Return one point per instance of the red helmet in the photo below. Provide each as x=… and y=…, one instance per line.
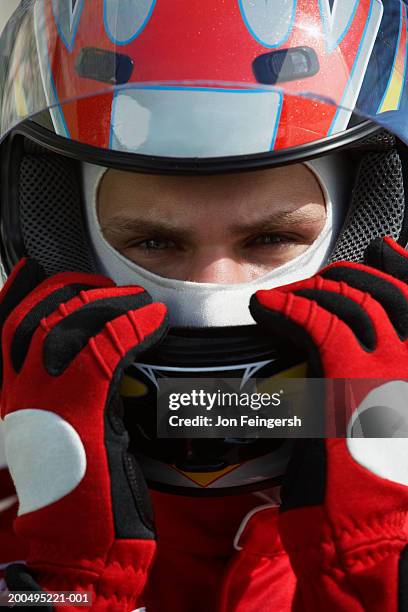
x=194, y=80
x=216, y=58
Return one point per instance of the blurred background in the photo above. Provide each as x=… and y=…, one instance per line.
x=6, y=9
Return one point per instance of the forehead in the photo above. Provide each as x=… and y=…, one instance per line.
x=295, y=182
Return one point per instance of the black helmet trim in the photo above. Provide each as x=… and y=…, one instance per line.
x=186, y=166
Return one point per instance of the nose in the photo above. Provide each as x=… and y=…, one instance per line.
x=220, y=268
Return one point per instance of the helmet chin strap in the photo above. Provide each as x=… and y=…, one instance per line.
x=193, y=304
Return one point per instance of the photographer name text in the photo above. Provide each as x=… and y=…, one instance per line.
x=243, y=421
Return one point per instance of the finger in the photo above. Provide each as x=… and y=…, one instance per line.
x=26, y=275
x=388, y=256
x=123, y=339
x=80, y=320
x=25, y=319
x=291, y=318
x=388, y=291
x=321, y=312
x=355, y=308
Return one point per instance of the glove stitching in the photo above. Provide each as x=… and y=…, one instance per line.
x=141, y=571
x=336, y=564
x=94, y=581
x=319, y=282
x=288, y=304
x=333, y=321
x=63, y=310
x=313, y=310
x=44, y=325
x=384, y=549
x=115, y=338
x=339, y=564
x=84, y=297
x=132, y=319
x=99, y=359
x=142, y=567
x=344, y=289
x=395, y=520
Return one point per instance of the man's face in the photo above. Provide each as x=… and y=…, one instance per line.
x=229, y=228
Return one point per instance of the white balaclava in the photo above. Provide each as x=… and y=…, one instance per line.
x=192, y=304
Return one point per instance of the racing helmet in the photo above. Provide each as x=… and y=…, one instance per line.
x=200, y=88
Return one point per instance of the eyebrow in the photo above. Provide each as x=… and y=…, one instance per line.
x=122, y=224
x=119, y=225
x=289, y=218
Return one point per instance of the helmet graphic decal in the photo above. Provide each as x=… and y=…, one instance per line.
x=270, y=23
x=310, y=44
x=358, y=66
x=195, y=72
x=337, y=18
x=395, y=86
x=248, y=370
x=124, y=21
x=67, y=17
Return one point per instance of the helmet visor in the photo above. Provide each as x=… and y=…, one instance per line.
x=204, y=80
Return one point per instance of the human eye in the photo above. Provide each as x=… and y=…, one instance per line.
x=272, y=240
x=155, y=244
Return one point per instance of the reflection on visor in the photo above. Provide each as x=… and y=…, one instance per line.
x=192, y=122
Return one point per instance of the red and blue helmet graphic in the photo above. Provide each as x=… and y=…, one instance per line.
x=221, y=77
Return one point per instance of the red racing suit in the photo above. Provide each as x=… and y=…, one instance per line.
x=213, y=554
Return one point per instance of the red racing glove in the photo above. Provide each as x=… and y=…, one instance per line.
x=344, y=517
x=83, y=504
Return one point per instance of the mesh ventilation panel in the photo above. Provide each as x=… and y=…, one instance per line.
x=381, y=140
x=50, y=213
x=377, y=205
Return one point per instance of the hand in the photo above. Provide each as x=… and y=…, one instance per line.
x=344, y=517
x=83, y=503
